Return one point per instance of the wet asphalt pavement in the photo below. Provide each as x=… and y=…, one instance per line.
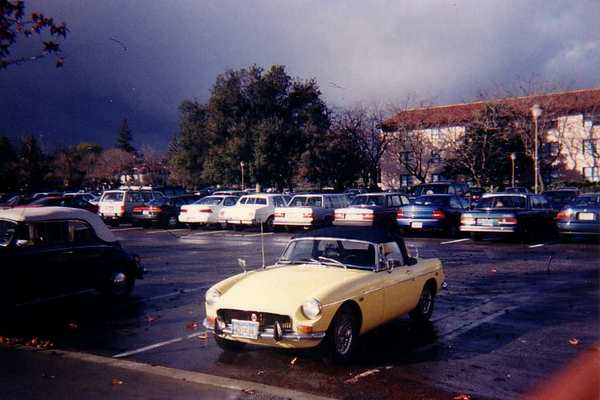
x=512, y=315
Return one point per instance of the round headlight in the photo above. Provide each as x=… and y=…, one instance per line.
x=311, y=308
x=212, y=296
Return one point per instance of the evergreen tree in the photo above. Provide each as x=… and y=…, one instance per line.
x=124, y=138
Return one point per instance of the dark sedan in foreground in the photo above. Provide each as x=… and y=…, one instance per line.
x=525, y=215
x=50, y=251
x=581, y=217
x=437, y=212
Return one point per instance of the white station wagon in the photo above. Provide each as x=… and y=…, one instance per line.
x=252, y=210
x=309, y=210
x=205, y=211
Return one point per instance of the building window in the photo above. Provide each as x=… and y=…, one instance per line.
x=406, y=180
x=591, y=174
x=436, y=158
x=406, y=156
x=590, y=147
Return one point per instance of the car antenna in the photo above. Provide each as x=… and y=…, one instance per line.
x=262, y=244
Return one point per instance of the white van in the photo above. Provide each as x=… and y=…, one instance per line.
x=116, y=206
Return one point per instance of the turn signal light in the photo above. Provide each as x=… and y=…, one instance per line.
x=304, y=329
x=438, y=214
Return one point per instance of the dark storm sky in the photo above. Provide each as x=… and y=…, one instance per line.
x=359, y=51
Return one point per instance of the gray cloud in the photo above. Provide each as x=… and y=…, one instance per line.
x=357, y=51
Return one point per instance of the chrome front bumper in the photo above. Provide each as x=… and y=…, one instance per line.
x=269, y=333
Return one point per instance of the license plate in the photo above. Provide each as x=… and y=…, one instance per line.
x=486, y=221
x=244, y=329
x=586, y=216
x=416, y=225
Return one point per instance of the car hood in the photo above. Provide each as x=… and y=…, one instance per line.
x=282, y=290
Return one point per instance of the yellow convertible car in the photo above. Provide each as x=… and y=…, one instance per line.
x=329, y=286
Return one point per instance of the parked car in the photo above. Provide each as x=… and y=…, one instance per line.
x=516, y=214
x=116, y=206
x=13, y=199
x=425, y=189
x=205, y=212
x=40, y=195
x=371, y=209
x=331, y=285
x=89, y=197
x=236, y=193
x=252, y=210
x=162, y=211
x=62, y=201
x=438, y=212
x=580, y=217
x=516, y=189
x=46, y=251
x=309, y=210
x=561, y=197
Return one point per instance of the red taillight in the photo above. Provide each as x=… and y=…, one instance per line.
x=507, y=220
x=368, y=217
x=122, y=208
x=307, y=215
x=279, y=215
x=205, y=210
x=154, y=209
x=438, y=214
x=339, y=216
x=400, y=214
x=183, y=210
x=136, y=209
x=563, y=215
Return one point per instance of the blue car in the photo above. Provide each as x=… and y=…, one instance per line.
x=581, y=217
x=436, y=212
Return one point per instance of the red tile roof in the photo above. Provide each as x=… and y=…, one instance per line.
x=562, y=103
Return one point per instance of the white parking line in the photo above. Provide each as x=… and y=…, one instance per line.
x=258, y=234
x=205, y=233
x=133, y=228
x=533, y=246
x=160, y=344
x=169, y=230
x=172, y=294
x=456, y=241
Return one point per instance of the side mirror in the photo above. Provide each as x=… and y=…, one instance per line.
x=392, y=263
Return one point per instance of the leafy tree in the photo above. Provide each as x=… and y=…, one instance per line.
x=15, y=23
x=8, y=164
x=124, y=138
x=71, y=165
x=32, y=164
x=110, y=165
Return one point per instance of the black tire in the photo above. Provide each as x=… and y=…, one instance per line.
x=193, y=227
x=424, y=310
x=113, y=222
x=119, y=286
x=453, y=230
x=342, y=335
x=476, y=236
x=236, y=227
x=268, y=225
x=229, y=345
x=171, y=222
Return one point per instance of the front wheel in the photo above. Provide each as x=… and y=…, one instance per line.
x=476, y=236
x=120, y=285
x=229, y=345
x=424, y=309
x=343, y=335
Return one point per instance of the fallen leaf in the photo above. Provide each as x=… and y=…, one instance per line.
x=249, y=391
x=356, y=378
x=116, y=382
x=192, y=326
x=574, y=341
x=293, y=362
x=462, y=396
x=203, y=336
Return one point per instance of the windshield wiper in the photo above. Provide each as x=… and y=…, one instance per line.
x=334, y=261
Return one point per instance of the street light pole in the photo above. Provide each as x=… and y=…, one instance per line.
x=242, y=166
x=513, y=157
x=536, y=111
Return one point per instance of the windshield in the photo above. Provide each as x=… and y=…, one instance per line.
x=431, y=201
x=502, y=202
x=587, y=201
x=306, y=201
x=432, y=189
x=338, y=252
x=210, y=201
x=371, y=200
x=7, y=231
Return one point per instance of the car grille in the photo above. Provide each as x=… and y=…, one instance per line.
x=266, y=320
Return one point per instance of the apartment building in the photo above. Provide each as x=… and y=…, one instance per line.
x=569, y=126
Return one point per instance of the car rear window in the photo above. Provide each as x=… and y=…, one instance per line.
x=210, y=201
x=587, y=201
x=431, y=201
x=306, y=201
x=502, y=202
x=433, y=189
x=112, y=196
x=375, y=200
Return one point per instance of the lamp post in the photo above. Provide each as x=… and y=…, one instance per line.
x=536, y=111
x=242, y=167
x=513, y=157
